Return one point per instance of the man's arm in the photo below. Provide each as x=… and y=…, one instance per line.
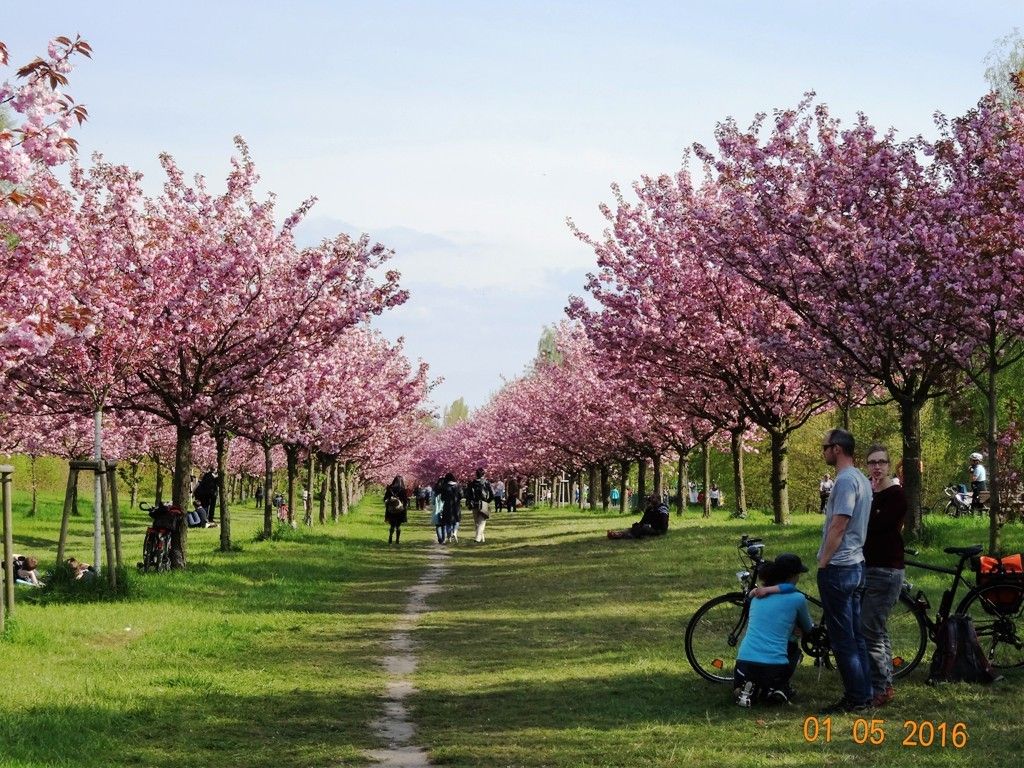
x=833, y=538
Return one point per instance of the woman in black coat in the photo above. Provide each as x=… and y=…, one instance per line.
x=396, y=505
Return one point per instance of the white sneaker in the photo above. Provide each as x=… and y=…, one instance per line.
x=745, y=695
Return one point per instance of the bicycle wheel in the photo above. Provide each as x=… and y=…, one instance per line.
x=713, y=637
x=952, y=509
x=908, y=636
x=996, y=610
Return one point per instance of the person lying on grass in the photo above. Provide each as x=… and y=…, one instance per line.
x=769, y=651
x=653, y=523
x=80, y=571
x=25, y=571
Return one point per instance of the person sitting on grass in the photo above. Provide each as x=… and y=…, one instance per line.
x=653, y=523
x=769, y=651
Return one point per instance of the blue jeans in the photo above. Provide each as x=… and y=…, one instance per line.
x=881, y=591
x=841, y=588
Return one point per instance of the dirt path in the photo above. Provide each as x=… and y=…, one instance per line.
x=395, y=727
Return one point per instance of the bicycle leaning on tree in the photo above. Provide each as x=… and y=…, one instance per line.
x=995, y=606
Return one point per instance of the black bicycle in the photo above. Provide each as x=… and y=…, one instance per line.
x=994, y=605
x=713, y=634
x=156, y=547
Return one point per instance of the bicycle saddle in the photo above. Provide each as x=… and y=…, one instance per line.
x=971, y=551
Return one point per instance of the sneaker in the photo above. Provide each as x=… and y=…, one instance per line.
x=845, y=705
x=883, y=697
x=776, y=696
x=745, y=695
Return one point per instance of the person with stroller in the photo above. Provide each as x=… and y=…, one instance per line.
x=769, y=651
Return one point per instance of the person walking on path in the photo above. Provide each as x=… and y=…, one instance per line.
x=479, y=496
x=512, y=493
x=396, y=506
x=824, y=490
x=397, y=490
x=841, y=570
x=449, y=500
x=883, y=570
x=259, y=496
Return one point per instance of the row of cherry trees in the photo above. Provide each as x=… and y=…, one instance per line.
x=190, y=313
x=797, y=265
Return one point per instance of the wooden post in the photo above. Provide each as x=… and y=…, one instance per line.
x=108, y=541
x=7, y=604
x=69, y=503
x=115, y=510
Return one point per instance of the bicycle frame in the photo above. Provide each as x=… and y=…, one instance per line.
x=946, y=603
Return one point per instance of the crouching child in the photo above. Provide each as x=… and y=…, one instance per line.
x=770, y=651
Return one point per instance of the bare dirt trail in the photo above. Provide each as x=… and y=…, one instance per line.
x=395, y=727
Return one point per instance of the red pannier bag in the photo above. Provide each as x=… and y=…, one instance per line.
x=1008, y=570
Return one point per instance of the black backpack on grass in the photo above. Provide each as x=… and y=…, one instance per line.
x=958, y=654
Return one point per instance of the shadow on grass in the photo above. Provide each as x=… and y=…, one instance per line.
x=178, y=725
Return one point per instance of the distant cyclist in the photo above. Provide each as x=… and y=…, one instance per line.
x=979, y=480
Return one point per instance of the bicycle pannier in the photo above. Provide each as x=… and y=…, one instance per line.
x=1002, y=570
x=958, y=654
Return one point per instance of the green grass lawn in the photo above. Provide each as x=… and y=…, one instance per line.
x=554, y=646
x=262, y=657
x=549, y=646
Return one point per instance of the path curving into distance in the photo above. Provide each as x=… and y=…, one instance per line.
x=395, y=727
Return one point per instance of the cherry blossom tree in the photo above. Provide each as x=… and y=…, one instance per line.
x=34, y=214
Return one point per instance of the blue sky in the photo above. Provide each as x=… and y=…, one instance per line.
x=464, y=133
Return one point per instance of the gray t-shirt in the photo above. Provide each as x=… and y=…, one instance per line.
x=851, y=496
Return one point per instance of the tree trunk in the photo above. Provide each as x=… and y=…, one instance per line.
x=705, y=453
x=641, y=482
x=593, y=489
x=159, y=480
x=332, y=474
x=223, y=445
x=308, y=511
x=995, y=521
x=268, y=493
x=658, y=488
x=32, y=480
x=780, y=475
x=74, y=502
x=291, y=452
x=346, y=484
x=604, y=486
x=680, y=485
x=623, y=477
x=323, y=492
x=181, y=490
x=910, y=427
x=739, y=488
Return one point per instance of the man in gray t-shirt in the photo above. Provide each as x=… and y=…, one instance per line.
x=850, y=497
x=841, y=570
